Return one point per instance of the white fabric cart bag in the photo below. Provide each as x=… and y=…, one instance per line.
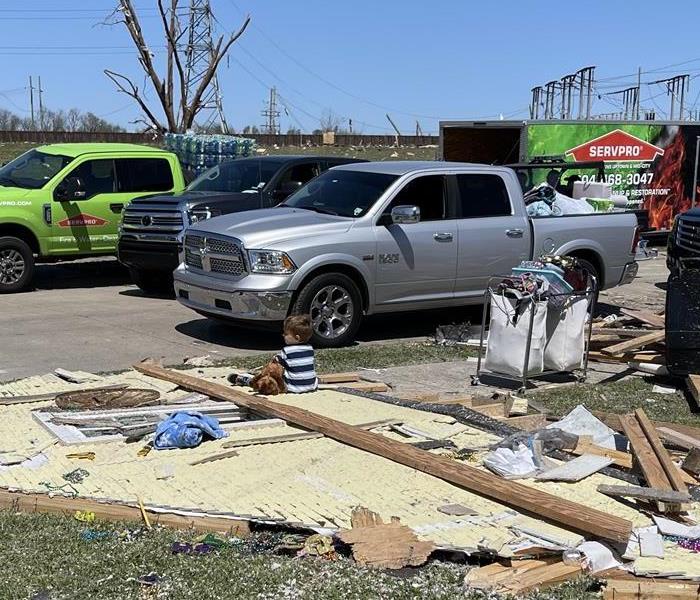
x=508, y=332
x=566, y=330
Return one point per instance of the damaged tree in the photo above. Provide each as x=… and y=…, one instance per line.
x=179, y=100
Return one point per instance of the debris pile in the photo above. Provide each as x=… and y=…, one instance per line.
x=386, y=480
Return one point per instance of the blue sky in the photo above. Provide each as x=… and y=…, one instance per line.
x=420, y=60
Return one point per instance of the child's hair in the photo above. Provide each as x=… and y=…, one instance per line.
x=299, y=326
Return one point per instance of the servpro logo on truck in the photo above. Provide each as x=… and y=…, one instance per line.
x=617, y=146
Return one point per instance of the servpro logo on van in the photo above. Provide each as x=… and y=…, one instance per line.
x=616, y=146
x=82, y=220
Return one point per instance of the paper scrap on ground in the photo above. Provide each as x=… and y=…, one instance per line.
x=650, y=542
x=669, y=527
x=662, y=389
x=581, y=422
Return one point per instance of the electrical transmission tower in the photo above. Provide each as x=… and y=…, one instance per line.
x=271, y=114
x=198, y=55
x=676, y=87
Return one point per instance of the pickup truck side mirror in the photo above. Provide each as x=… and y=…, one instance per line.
x=405, y=215
x=287, y=189
x=71, y=188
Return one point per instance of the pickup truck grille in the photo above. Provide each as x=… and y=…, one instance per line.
x=214, y=255
x=688, y=235
x=139, y=219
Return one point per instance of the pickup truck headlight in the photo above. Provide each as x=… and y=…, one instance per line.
x=271, y=262
x=197, y=215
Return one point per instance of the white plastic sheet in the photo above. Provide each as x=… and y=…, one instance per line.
x=510, y=464
x=581, y=422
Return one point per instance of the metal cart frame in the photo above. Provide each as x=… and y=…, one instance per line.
x=591, y=294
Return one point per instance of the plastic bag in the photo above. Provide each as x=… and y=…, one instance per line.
x=509, y=464
x=572, y=206
x=508, y=333
x=566, y=328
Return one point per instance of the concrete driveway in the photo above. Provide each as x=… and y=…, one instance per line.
x=87, y=316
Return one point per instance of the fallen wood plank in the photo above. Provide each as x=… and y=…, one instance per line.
x=541, y=577
x=61, y=505
x=526, y=422
x=570, y=515
x=496, y=410
x=577, y=469
x=586, y=446
x=495, y=575
x=339, y=378
x=365, y=386
x=693, y=382
x=609, y=334
x=384, y=545
x=667, y=464
x=645, y=316
x=612, y=420
x=644, y=453
x=648, y=589
x=644, y=493
x=653, y=359
x=635, y=343
x=676, y=438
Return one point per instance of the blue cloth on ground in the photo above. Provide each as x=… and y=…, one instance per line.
x=185, y=429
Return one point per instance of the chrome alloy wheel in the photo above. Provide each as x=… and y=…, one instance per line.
x=332, y=311
x=11, y=266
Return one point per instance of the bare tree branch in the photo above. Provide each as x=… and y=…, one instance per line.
x=173, y=55
x=126, y=86
x=217, y=56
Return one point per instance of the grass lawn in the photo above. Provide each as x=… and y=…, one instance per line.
x=47, y=557
x=623, y=397
x=371, y=356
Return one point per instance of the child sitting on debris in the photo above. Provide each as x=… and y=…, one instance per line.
x=293, y=367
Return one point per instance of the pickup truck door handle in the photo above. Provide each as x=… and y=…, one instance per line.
x=442, y=237
x=116, y=207
x=514, y=233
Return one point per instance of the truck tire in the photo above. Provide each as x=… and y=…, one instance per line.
x=16, y=265
x=590, y=267
x=334, y=304
x=153, y=282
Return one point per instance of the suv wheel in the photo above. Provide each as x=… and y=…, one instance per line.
x=334, y=304
x=153, y=282
x=16, y=265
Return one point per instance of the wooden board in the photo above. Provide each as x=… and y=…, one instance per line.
x=42, y=503
x=693, y=382
x=635, y=343
x=7, y=401
x=653, y=359
x=526, y=422
x=645, y=316
x=667, y=464
x=644, y=493
x=586, y=446
x=338, y=377
x=644, y=453
x=495, y=575
x=676, y=438
x=561, y=511
x=648, y=589
x=612, y=420
x=541, y=577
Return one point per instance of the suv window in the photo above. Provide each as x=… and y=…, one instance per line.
x=428, y=194
x=144, y=175
x=96, y=176
x=483, y=196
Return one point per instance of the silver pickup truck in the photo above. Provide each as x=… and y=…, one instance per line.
x=381, y=237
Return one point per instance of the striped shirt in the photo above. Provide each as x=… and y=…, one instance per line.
x=299, y=368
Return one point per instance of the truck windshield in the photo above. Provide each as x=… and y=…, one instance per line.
x=32, y=170
x=340, y=192
x=234, y=176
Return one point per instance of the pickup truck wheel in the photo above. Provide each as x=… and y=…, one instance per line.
x=590, y=267
x=152, y=282
x=334, y=304
x=16, y=265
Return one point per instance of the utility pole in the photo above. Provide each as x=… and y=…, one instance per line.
x=31, y=101
x=198, y=54
x=535, y=103
x=676, y=88
x=41, y=105
x=396, y=129
x=271, y=114
x=639, y=88
x=585, y=77
x=419, y=130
